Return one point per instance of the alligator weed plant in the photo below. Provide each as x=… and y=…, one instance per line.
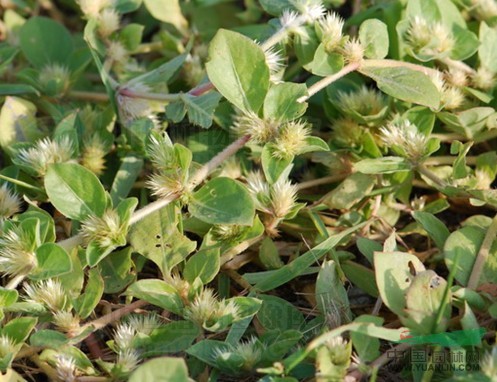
x=257, y=190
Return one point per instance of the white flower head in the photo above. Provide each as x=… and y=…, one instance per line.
x=353, y=50
x=7, y=345
x=332, y=29
x=47, y=292
x=67, y=322
x=92, y=8
x=488, y=364
x=9, y=202
x=452, y=98
x=457, y=77
x=291, y=139
x=127, y=360
x=429, y=38
x=93, y=155
x=275, y=62
x=290, y=19
x=483, y=78
x=131, y=108
x=405, y=139
x=311, y=10
x=283, y=197
x=484, y=9
x=124, y=336
x=66, y=368
x=108, y=22
x=17, y=256
x=259, y=190
x=56, y=75
x=206, y=309
x=46, y=152
x=144, y=324
x=106, y=231
x=260, y=130
x=365, y=101
x=117, y=52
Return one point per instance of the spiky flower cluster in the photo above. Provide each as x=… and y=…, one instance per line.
x=249, y=352
x=49, y=293
x=17, y=255
x=206, y=309
x=307, y=11
x=144, y=324
x=484, y=9
x=277, y=199
x=93, y=155
x=170, y=178
x=331, y=26
x=66, y=368
x=291, y=139
x=347, y=133
x=9, y=202
x=46, y=152
x=7, y=345
x=451, y=96
x=275, y=63
x=432, y=40
x=260, y=130
x=227, y=232
x=337, y=348
x=404, y=139
x=108, y=22
x=483, y=78
x=67, y=322
x=54, y=78
x=107, y=230
x=353, y=50
x=365, y=101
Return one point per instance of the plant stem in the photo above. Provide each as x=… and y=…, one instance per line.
x=88, y=96
x=423, y=170
x=459, y=65
x=201, y=89
x=321, y=84
x=103, y=321
x=12, y=284
x=482, y=256
x=21, y=183
x=151, y=96
x=321, y=181
x=448, y=159
x=386, y=63
x=151, y=208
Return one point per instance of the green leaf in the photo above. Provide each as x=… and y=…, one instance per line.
x=324, y=63
x=385, y=165
x=331, y=296
x=52, y=261
x=238, y=69
x=462, y=247
x=204, y=265
x=48, y=339
x=129, y=170
x=18, y=121
x=433, y=226
x=18, y=329
x=116, y=271
x=281, y=101
x=301, y=263
x=164, y=369
x=487, y=52
x=8, y=296
x=405, y=84
x=223, y=201
x=15, y=89
x=393, y=277
x=352, y=190
x=126, y=6
x=201, y=109
x=275, y=8
x=288, y=316
x=373, y=34
x=313, y=144
x=131, y=36
x=269, y=255
x=157, y=292
x=272, y=166
x=94, y=289
x=368, y=348
x=75, y=191
x=44, y=41
x=157, y=238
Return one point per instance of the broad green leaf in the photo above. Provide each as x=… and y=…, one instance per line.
x=201, y=109
x=281, y=101
x=324, y=63
x=7, y=296
x=157, y=238
x=278, y=314
x=487, y=52
x=16, y=89
x=275, y=8
x=164, y=369
x=393, y=277
x=385, y=165
x=19, y=328
x=131, y=36
x=373, y=34
x=238, y=69
x=48, y=338
x=90, y=298
x=435, y=228
x=17, y=121
x=204, y=265
x=268, y=255
x=368, y=348
x=223, y=201
x=405, y=84
x=462, y=246
x=52, y=261
x=352, y=190
x=162, y=74
x=301, y=263
x=75, y=191
x=126, y=6
x=171, y=338
x=331, y=296
x=116, y=271
x=157, y=292
x=313, y=144
x=168, y=11
x=272, y=166
x=129, y=170
x=44, y=41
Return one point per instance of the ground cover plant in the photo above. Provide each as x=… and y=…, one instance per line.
x=255, y=190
